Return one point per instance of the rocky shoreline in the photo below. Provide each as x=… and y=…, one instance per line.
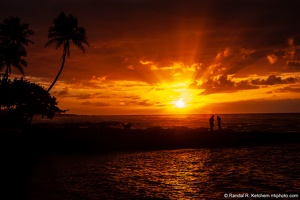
x=92, y=138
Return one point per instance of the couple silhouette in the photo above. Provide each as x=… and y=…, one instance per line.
x=211, y=122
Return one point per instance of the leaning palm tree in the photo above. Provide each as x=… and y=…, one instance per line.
x=13, y=43
x=64, y=31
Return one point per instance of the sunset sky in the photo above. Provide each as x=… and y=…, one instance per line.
x=169, y=56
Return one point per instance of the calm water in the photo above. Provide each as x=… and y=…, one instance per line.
x=241, y=122
x=169, y=174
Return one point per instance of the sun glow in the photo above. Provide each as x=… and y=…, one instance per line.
x=180, y=103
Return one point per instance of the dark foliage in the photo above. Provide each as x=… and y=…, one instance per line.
x=20, y=100
x=13, y=42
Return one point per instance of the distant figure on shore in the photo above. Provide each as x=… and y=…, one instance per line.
x=219, y=122
x=211, y=123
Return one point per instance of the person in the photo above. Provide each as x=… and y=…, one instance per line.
x=219, y=122
x=211, y=123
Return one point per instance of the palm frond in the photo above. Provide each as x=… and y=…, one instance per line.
x=14, y=40
x=20, y=68
x=63, y=31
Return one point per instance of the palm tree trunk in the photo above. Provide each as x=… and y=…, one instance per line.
x=61, y=68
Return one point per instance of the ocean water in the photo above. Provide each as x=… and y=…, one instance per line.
x=169, y=174
x=286, y=122
x=207, y=173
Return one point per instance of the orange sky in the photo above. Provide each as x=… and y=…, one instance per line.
x=146, y=55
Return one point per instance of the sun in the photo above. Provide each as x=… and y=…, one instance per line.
x=180, y=103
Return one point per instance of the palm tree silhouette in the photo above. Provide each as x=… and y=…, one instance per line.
x=13, y=40
x=64, y=30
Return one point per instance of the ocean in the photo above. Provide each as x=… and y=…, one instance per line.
x=204, y=173
x=220, y=173
x=264, y=171
x=284, y=122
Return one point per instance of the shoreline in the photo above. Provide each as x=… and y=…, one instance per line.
x=93, y=138
x=239, y=122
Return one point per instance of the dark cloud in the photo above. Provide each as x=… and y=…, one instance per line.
x=190, y=31
x=84, y=96
x=98, y=104
x=144, y=103
x=295, y=64
x=227, y=40
x=133, y=97
x=245, y=85
x=288, y=89
x=137, y=102
x=273, y=79
x=259, y=106
x=223, y=84
x=91, y=96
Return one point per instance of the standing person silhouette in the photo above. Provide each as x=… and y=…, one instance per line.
x=219, y=122
x=211, y=123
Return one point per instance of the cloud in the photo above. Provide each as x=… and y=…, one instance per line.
x=97, y=104
x=272, y=58
x=84, y=96
x=136, y=45
x=294, y=64
x=245, y=85
x=245, y=53
x=288, y=89
x=188, y=32
x=134, y=97
x=258, y=106
x=144, y=103
x=137, y=102
x=64, y=92
x=146, y=62
x=223, y=84
x=273, y=80
x=130, y=67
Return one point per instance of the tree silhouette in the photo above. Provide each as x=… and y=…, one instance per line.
x=65, y=30
x=13, y=40
x=22, y=100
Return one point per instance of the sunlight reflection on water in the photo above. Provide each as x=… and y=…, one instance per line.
x=170, y=174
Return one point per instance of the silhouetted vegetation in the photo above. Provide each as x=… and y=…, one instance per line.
x=13, y=40
x=65, y=30
x=21, y=100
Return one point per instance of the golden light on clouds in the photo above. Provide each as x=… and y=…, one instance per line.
x=153, y=57
x=176, y=91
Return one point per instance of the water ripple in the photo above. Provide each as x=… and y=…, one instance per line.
x=175, y=174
